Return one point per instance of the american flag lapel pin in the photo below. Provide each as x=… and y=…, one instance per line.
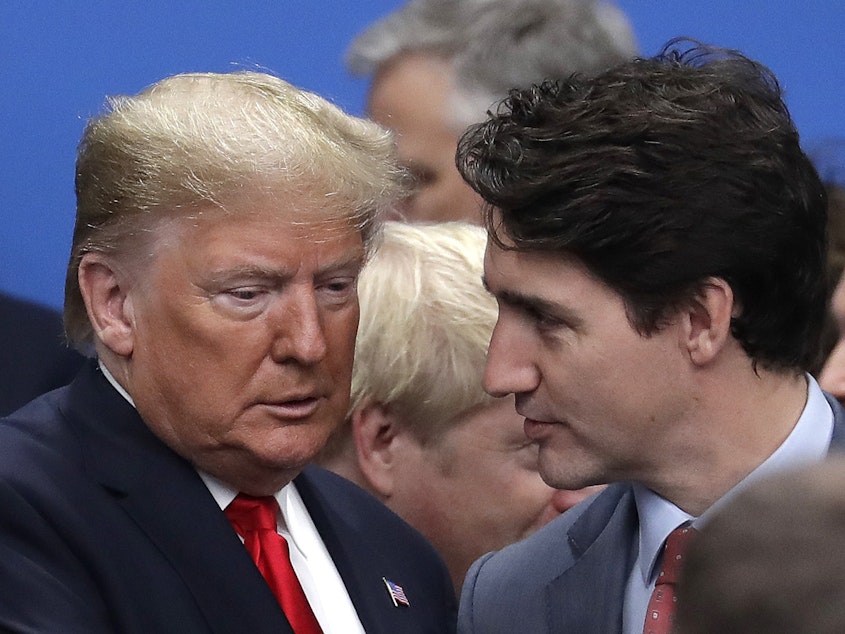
x=397, y=594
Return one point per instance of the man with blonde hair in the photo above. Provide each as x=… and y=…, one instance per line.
x=422, y=435
x=222, y=221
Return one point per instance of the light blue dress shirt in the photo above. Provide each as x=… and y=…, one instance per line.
x=808, y=442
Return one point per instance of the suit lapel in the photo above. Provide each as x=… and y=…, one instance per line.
x=213, y=562
x=589, y=595
x=360, y=565
x=168, y=501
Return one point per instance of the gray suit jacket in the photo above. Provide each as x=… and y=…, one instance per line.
x=570, y=576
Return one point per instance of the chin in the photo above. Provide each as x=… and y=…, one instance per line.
x=557, y=480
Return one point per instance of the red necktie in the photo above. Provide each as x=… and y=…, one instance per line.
x=254, y=519
x=661, y=608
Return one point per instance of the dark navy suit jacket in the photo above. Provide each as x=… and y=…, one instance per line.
x=33, y=356
x=570, y=576
x=104, y=529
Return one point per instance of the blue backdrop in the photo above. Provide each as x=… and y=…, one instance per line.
x=60, y=59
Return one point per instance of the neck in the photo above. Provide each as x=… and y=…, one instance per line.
x=739, y=424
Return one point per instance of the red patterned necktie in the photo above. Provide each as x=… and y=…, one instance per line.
x=661, y=608
x=254, y=519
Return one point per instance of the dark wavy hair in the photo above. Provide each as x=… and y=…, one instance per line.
x=658, y=174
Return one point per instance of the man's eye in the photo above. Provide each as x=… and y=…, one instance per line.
x=425, y=177
x=543, y=319
x=338, y=289
x=242, y=302
x=419, y=177
x=337, y=286
x=246, y=294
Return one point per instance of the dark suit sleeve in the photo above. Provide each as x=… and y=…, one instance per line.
x=34, y=357
x=43, y=587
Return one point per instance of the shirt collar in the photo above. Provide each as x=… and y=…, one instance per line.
x=110, y=377
x=808, y=442
x=292, y=508
x=658, y=518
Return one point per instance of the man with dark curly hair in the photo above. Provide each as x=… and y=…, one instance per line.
x=657, y=250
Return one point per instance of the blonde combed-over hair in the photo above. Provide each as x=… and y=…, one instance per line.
x=425, y=327
x=200, y=139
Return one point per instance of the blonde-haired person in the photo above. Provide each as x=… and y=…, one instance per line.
x=222, y=222
x=423, y=435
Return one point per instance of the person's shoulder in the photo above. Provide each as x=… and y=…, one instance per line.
x=34, y=356
x=545, y=553
x=35, y=436
x=507, y=590
x=12, y=306
x=837, y=442
x=37, y=324
x=330, y=484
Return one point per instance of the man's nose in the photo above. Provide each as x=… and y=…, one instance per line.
x=300, y=334
x=509, y=368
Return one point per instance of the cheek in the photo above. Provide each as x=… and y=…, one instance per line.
x=594, y=383
x=179, y=331
x=426, y=203
x=477, y=481
x=521, y=487
x=419, y=490
x=340, y=339
x=522, y=503
x=503, y=508
x=343, y=343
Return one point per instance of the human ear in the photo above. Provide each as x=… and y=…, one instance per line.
x=374, y=435
x=108, y=304
x=707, y=321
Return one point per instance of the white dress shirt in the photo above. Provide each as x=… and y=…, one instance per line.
x=808, y=442
x=320, y=580
x=312, y=563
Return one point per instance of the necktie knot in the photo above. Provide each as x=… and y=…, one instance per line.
x=673, y=553
x=661, y=608
x=249, y=514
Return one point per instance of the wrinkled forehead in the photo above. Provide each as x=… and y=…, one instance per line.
x=305, y=209
x=304, y=214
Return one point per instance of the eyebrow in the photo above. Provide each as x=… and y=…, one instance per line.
x=256, y=271
x=533, y=304
x=515, y=298
x=355, y=261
